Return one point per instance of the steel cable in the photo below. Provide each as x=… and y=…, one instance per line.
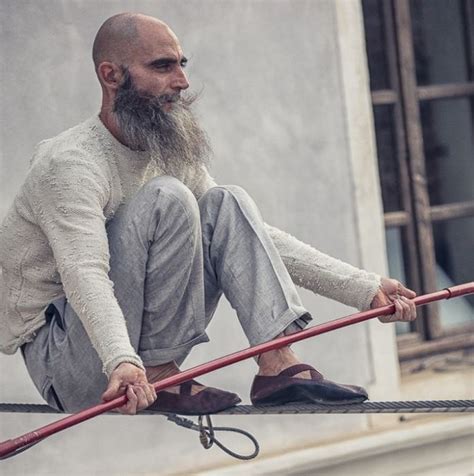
x=207, y=431
x=413, y=406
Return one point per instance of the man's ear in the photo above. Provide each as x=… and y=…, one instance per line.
x=110, y=75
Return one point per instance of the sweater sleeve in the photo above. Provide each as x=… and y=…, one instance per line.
x=316, y=271
x=323, y=274
x=68, y=199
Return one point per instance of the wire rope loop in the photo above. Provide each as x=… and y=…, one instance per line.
x=208, y=438
x=206, y=433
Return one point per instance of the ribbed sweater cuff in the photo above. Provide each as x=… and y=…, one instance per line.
x=370, y=289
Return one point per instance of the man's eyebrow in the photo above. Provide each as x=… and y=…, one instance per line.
x=166, y=61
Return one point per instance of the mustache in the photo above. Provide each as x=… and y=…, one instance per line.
x=150, y=109
x=184, y=99
x=169, y=98
x=132, y=99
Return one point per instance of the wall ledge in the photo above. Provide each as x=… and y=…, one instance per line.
x=419, y=435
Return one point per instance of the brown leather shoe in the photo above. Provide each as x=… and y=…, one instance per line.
x=285, y=388
x=208, y=400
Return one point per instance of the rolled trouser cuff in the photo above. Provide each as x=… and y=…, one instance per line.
x=162, y=356
x=289, y=322
x=299, y=324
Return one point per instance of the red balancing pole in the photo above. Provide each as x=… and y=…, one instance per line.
x=16, y=445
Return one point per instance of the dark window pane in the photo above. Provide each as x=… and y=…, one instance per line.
x=396, y=267
x=455, y=265
x=449, y=149
x=375, y=44
x=387, y=156
x=438, y=39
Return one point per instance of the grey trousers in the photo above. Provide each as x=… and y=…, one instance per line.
x=171, y=258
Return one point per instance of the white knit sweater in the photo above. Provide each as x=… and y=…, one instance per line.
x=53, y=241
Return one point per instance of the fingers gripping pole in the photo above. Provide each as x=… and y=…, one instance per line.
x=16, y=445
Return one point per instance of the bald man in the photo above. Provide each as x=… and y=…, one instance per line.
x=119, y=245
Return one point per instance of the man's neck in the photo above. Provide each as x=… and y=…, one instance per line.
x=110, y=122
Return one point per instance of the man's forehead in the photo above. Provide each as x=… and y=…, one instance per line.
x=158, y=39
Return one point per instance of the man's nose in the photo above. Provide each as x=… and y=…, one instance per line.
x=180, y=81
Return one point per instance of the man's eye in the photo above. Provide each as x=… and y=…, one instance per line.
x=164, y=67
x=184, y=64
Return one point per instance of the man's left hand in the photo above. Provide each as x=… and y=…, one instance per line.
x=393, y=292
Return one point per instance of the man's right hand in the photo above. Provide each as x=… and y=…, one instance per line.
x=392, y=291
x=130, y=380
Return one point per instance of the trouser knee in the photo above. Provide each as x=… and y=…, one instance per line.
x=217, y=195
x=162, y=211
x=173, y=191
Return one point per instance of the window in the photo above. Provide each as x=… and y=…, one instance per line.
x=421, y=63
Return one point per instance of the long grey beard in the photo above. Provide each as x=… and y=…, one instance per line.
x=173, y=138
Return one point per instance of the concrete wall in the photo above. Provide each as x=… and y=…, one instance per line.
x=286, y=104
x=432, y=447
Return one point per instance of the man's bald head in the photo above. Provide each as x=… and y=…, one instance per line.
x=140, y=66
x=120, y=35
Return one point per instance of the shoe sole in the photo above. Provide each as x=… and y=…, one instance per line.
x=303, y=394
x=197, y=412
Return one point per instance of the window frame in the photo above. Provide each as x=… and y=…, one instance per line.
x=415, y=220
